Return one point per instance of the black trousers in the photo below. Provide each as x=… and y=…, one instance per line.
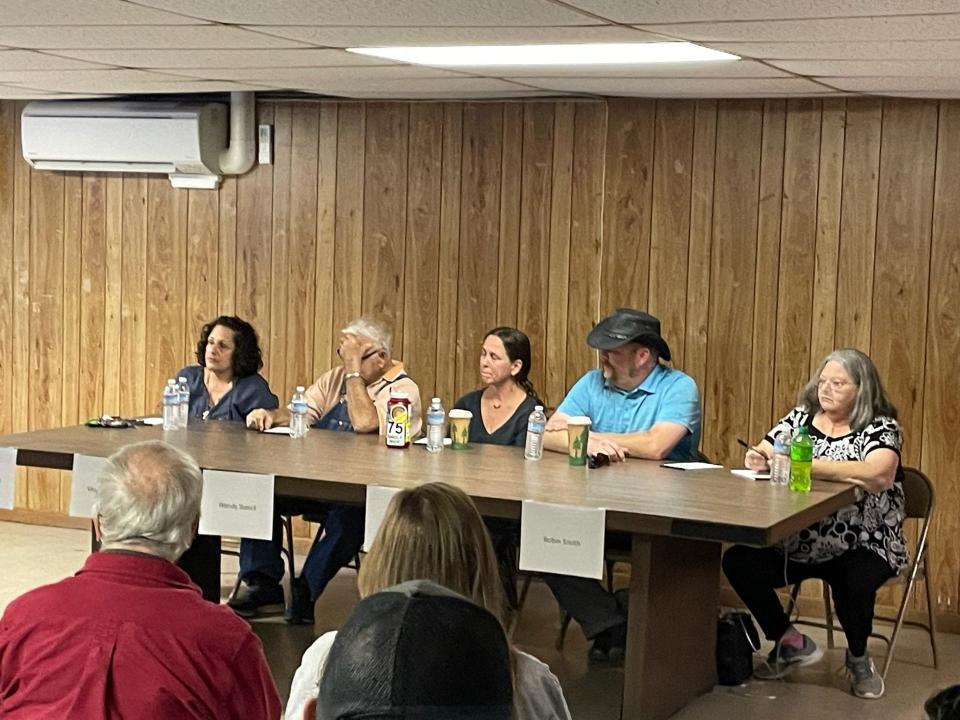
x=853, y=577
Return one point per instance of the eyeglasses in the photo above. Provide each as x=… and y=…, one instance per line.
x=834, y=384
x=363, y=357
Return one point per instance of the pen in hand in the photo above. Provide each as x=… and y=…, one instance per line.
x=757, y=450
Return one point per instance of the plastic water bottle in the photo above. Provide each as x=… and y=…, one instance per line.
x=171, y=406
x=435, y=419
x=298, y=413
x=801, y=460
x=533, y=450
x=780, y=462
x=184, y=405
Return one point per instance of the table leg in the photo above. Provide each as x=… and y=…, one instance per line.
x=672, y=629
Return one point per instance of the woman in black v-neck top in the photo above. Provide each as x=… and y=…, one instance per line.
x=507, y=399
x=501, y=408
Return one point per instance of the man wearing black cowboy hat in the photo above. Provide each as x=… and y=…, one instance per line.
x=638, y=407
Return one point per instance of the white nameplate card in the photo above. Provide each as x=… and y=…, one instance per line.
x=378, y=497
x=8, y=476
x=83, y=485
x=237, y=504
x=562, y=539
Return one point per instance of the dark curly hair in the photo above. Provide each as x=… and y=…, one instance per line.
x=247, y=358
x=517, y=345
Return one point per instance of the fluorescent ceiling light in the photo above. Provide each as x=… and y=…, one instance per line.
x=568, y=54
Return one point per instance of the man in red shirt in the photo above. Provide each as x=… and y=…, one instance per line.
x=130, y=635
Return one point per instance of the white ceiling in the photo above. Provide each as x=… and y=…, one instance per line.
x=83, y=48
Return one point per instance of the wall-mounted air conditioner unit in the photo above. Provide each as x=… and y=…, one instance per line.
x=183, y=140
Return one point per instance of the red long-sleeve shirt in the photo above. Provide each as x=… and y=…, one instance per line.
x=129, y=636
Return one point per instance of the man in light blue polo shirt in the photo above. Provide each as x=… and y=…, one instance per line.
x=638, y=407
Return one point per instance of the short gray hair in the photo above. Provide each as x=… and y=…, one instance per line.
x=372, y=328
x=149, y=494
x=871, y=401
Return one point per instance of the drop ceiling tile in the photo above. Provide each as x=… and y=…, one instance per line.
x=444, y=95
x=924, y=95
x=369, y=36
x=676, y=11
x=34, y=78
x=215, y=59
x=29, y=60
x=377, y=12
x=859, y=50
x=295, y=76
x=673, y=87
x=87, y=12
x=115, y=82
x=413, y=85
x=181, y=37
x=870, y=68
x=12, y=92
x=728, y=69
x=910, y=27
x=882, y=85
x=117, y=86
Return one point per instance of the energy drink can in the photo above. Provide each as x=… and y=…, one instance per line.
x=398, y=420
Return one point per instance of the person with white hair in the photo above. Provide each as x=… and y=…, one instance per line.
x=130, y=635
x=350, y=397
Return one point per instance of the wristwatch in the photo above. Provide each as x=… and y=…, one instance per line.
x=354, y=374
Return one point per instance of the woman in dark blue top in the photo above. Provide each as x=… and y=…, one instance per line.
x=226, y=385
x=501, y=408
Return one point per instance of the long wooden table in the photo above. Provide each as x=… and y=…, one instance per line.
x=677, y=518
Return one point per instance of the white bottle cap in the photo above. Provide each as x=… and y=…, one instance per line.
x=300, y=388
x=538, y=407
x=182, y=379
x=171, y=381
x=436, y=401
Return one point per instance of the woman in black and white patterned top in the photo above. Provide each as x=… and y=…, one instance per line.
x=856, y=439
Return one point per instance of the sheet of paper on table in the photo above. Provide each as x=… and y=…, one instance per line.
x=751, y=475
x=691, y=465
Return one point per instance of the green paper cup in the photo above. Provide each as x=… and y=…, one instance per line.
x=578, y=435
x=460, y=429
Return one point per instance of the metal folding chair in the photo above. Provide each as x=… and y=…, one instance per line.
x=919, y=504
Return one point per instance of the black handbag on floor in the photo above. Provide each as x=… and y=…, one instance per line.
x=737, y=640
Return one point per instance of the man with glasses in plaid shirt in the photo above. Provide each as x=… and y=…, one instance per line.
x=351, y=397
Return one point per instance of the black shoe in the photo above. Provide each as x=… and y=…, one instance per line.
x=252, y=600
x=300, y=611
x=608, y=646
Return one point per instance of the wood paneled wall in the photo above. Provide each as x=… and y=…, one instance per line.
x=762, y=233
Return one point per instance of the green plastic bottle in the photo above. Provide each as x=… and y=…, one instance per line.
x=801, y=459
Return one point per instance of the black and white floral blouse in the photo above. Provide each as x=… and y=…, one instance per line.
x=876, y=520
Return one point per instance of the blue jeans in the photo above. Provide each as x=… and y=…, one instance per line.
x=341, y=540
